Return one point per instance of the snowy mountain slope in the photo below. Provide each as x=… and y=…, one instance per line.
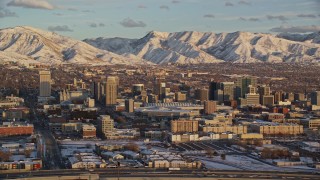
x=198, y=47
x=158, y=48
x=49, y=47
x=15, y=57
x=313, y=37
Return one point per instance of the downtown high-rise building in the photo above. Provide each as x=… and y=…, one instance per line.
x=202, y=94
x=221, y=91
x=137, y=89
x=129, y=105
x=97, y=91
x=111, y=90
x=315, y=98
x=242, y=83
x=45, y=83
x=265, y=95
x=159, y=87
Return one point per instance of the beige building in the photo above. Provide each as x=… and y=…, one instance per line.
x=267, y=100
x=219, y=120
x=252, y=99
x=179, y=97
x=177, y=138
x=310, y=123
x=88, y=131
x=90, y=102
x=210, y=107
x=105, y=125
x=251, y=136
x=181, y=126
x=69, y=128
x=111, y=90
x=222, y=129
x=170, y=160
x=45, y=83
x=202, y=94
x=276, y=128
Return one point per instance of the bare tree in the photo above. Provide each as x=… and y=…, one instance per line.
x=132, y=147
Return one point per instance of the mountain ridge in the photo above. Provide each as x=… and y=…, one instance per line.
x=240, y=47
x=50, y=47
x=29, y=44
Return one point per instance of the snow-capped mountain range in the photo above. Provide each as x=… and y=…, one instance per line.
x=198, y=47
x=28, y=44
x=35, y=45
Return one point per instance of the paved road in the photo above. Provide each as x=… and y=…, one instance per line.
x=50, y=150
x=147, y=172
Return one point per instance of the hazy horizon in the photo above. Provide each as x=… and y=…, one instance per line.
x=82, y=19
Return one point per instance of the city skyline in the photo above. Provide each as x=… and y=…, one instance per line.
x=134, y=18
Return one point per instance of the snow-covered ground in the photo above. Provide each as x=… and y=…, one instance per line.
x=219, y=166
x=246, y=163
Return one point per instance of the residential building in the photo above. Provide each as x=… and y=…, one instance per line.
x=210, y=107
x=105, y=125
x=182, y=126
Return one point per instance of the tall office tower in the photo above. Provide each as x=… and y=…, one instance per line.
x=163, y=91
x=290, y=97
x=159, y=83
x=111, y=90
x=299, y=96
x=97, y=91
x=242, y=84
x=228, y=90
x=264, y=90
x=212, y=88
x=315, y=98
x=144, y=96
x=202, y=94
x=264, y=93
x=137, y=89
x=105, y=125
x=278, y=96
x=129, y=105
x=210, y=107
x=218, y=95
x=45, y=83
x=221, y=91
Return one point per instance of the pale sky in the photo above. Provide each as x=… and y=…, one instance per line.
x=82, y=19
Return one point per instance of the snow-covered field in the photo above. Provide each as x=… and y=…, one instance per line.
x=246, y=163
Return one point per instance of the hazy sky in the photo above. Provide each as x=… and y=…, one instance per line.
x=134, y=18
